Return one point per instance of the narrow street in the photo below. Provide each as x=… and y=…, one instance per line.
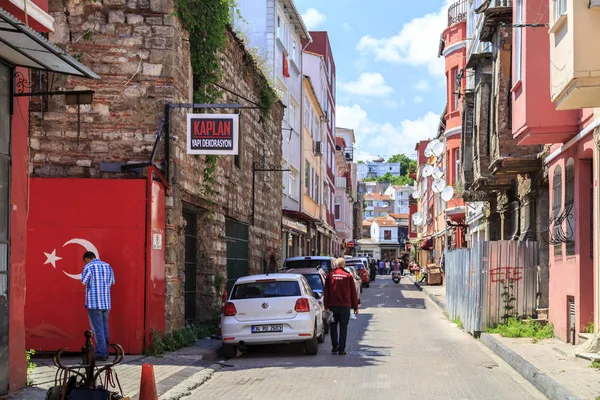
x=400, y=347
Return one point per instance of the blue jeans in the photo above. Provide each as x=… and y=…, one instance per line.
x=99, y=324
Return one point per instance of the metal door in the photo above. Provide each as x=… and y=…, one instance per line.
x=571, y=333
x=236, y=234
x=5, y=170
x=191, y=252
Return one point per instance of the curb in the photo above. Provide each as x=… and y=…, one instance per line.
x=433, y=298
x=548, y=386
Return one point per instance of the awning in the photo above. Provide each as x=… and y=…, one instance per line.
x=23, y=47
x=427, y=244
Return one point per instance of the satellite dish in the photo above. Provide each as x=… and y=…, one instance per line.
x=427, y=151
x=447, y=194
x=416, y=194
x=427, y=170
x=438, y=185
x=432, y=160
x=437, y=173
x=437, y=149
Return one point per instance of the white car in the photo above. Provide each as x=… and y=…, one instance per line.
x=270, y=309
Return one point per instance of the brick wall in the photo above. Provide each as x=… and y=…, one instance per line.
x=142, y=54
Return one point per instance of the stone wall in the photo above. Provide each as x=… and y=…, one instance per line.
x=142, y=54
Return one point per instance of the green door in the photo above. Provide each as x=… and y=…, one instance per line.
x=236, y=234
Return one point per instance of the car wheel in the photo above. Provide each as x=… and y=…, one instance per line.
x=312, y=345
x=229, y=351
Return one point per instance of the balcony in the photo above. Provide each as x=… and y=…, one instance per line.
x=457, y=12
x=494, y=13
x=340, y=182
x=574, y=61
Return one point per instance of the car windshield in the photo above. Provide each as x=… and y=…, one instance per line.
x=357, y=266
x=289, y=264
x=257, y=290
x=315, y=282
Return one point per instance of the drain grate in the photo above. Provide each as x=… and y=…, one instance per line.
x=371, y=353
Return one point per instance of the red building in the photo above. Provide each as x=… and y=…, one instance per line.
x=320, y=45
x=24, y=51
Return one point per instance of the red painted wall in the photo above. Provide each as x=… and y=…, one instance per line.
x=534, y=115
x=454, y=61
x=18, y=241
x=111, y=215
x=573, y=275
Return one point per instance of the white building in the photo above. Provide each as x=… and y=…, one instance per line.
x=383, y=243
x=345, y=185
x=275, y=28
x=377, y=168
x=401, y=196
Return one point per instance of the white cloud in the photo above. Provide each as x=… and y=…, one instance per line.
x=418, y=100
x=416, y=44
x=313, y=18
x=422, y=86
x=386, y=139
x=346, y=26
x=368, y=84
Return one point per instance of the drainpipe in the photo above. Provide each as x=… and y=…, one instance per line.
x=596, y=173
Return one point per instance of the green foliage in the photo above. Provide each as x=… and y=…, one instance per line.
x=219, y=283
x=210, y=166
x=361, y=162
x=458, y=322
x=30, y=366
x=596, y=364
x=395, y=180
x=589, y=328
x=185, y=337
x=268, y=97
x=517, y=328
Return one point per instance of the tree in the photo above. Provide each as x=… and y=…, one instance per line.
x=406, y=163
x=361, y=162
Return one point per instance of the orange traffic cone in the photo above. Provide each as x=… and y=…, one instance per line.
x=148, y=383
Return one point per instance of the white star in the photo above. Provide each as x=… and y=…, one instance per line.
x=52, y=258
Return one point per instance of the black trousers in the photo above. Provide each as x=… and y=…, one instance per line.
x=341, y=316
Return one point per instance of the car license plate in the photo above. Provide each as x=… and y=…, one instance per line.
x=267, y=328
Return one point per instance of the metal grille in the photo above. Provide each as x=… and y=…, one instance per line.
x=237, y=237
x=191, y=254
x=491, y=282
x=556, y=205
x=569, y=201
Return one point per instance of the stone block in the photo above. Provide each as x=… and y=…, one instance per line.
x=133, y=42
x=161, y=6
x=75, y=171
x=39, y=157
x=154, y=20
x=84, y=163
x=116, y=17
x=163, y=31
x=134, y=19
x=142, y=30
x=156, y=43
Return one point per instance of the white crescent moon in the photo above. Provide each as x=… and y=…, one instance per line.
x=88, y=246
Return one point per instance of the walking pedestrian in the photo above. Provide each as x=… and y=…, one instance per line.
x=340, y=296
x=381, y=267
x=98, y=277
x=402, y=267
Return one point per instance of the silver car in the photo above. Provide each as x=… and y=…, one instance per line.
x=357, y=281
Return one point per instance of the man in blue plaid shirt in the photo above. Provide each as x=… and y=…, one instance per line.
x=98, y=277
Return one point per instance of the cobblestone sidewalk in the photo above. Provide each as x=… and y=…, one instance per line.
x=172, y=369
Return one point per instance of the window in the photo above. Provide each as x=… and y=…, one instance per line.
x=294, y=113
x=569, y=209
x=316, y=188
x=561, y=8
x=325, y=195
x=307, y=110
x=556, y=206
x=454, y=86
x=307, y=173
x=279, y=27
x=456, y=166
x=294, y=52
x=518, y=40
x=387, y=234
x=293, y=190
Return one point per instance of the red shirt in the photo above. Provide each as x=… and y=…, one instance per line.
x=340, y=290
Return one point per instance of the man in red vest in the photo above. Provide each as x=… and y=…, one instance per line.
x=340, y=296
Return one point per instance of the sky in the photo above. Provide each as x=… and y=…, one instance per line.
x=390, y=81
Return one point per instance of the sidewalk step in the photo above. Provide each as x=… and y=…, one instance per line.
x=588, y=356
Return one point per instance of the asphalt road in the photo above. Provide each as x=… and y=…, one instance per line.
x=400, y=347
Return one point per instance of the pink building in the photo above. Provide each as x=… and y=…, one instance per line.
x=568, y=135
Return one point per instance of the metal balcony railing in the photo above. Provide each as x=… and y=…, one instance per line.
x=340, y=182
x=457, y=12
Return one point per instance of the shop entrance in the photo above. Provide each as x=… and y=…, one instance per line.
x=236, y=235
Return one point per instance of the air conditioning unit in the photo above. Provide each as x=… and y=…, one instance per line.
x=325, y=117
x=318, y=148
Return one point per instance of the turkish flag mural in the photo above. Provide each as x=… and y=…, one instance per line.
x=68, y=217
